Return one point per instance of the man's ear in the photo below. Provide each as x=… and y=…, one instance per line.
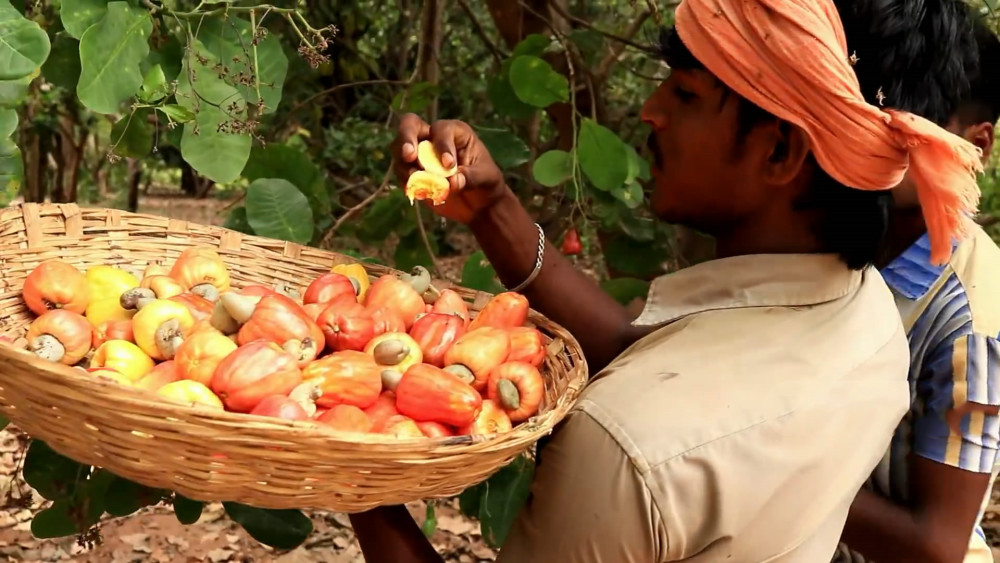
x=981, y=135
x=788, y=155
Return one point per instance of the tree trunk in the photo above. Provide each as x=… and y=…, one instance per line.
x=134, y=180
x=432, y=33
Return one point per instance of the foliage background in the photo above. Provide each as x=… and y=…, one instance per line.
x=284, y=112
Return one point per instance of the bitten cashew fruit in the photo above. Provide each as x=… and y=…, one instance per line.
x=424, y=185
x=60, y=336
x=55, y=284
x=159, y=328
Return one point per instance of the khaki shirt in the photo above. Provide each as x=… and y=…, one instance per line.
x=738, y=431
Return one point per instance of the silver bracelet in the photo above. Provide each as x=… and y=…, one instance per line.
x=538, y=261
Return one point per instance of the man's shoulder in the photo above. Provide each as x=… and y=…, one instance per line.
x=970, y=286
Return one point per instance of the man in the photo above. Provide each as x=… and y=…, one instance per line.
x=738, y=415
x=926, y=497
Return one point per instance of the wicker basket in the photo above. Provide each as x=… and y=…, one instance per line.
x=211, y=455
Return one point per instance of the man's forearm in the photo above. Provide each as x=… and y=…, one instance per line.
x=508, y=237
x=389, y=535
x=883, y=531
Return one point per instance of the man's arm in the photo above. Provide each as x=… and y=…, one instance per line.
x=954, y=448
x=936, y=527
x=508, y=236
x=389, y=535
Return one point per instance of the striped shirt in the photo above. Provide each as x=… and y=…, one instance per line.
x=952, y=318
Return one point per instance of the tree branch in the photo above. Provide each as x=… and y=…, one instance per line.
x=584, y=23
x=604, y=67
x=481, y=32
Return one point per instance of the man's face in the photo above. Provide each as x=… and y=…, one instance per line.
x=702, y=178
x=904, y=196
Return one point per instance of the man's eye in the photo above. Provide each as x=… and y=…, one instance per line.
x=683, y=95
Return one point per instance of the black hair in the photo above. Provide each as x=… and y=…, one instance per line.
x=915, y=55
x=982, y=104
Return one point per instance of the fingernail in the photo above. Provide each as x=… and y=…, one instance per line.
x=447, y=160
x=460, y=180
x=408, y=148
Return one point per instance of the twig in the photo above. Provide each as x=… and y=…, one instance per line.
x=333, y=89
x=604, y=67
x=427, y=244
x=584, y=23
x=481, y=31
x=354, y=210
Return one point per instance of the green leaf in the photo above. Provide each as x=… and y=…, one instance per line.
x=590, y=43
x=132, y=135
x=281, y=529
x=277, y=209
x=478, y=273
x=11, y=167
x=8, y=122
x=383, y=216
x=604, y=158
x=54, y=522
x=471, y=499
x=229, y=40
x=110, y=54
x=630, y=194
x=53, y=475
x=216, y=153
x=124, y=497
x=62, y=68
x=237, y=221
x=504, y=495
x=179, y=114
x=534, y=44
x=553, y=168
x=13, y=91
x=536, y=83
x=419, y=96
x=275, y=160
x=186, y=510
x=506, y=148
x=169, y=56
x=24, y=45
x=154, y=85
x=78, y=15
x=505, y=101
x=625, y=290
x=411, y=251
x=630, y=257
x=3, y=422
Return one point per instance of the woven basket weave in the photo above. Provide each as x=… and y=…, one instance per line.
x=211, y=455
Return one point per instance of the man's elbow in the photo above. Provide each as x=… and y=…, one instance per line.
x=940, y=545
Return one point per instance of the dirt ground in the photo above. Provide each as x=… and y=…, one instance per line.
x=153, y=535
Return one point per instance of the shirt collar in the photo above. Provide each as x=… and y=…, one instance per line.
x=911, y=274
x=755, y=280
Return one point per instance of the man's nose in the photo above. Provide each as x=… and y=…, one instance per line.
x=652, y=113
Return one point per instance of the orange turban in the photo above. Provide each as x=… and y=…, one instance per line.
x=790, y=58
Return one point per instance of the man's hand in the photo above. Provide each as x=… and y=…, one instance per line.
x=478, y=183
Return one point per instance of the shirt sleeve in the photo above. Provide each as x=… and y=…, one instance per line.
x=588, y=504
x=958, y=392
